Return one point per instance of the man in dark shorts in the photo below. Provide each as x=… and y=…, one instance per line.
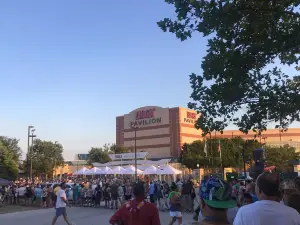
x=61, y=204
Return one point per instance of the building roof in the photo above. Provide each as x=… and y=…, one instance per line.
x=132, y=162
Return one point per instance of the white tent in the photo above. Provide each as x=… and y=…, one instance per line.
x=82, y=171
x=106, y=170
x=117, y=170
x=169, y=170
x=94, y=171
x=151, y=170
x=131, y=170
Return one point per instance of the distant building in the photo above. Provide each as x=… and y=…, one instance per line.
x=163, y=131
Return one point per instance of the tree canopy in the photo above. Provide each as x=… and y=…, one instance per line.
x=280, y=157
x=46, y=155
x=231, y=150
x=12, y=145
x=245, y=39
x=8, y=165
x=98, y=155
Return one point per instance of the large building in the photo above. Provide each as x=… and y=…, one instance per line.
x=163, y=131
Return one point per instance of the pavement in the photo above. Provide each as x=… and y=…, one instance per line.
x=78, y=216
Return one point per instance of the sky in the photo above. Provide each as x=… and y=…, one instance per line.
x=70, y=67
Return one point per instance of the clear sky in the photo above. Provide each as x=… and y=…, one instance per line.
x=69, y=67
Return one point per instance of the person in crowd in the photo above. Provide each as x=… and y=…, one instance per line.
x=89, y=196
x=288, y=187
x=128, y=191
x=44, y=196
x=50, y=195
x=186, y=192
x=61, y=204
x=179, y=184
x=82, y=195
x=152, y=192
x=28, y=195
x=268, y=210
x=175, y=205
x=74, y=197
x=136, y=211
x=215, y=201
x=293, y=201
x=114, y=195
x=97, y=194
x=120, y=193
x=106, y=195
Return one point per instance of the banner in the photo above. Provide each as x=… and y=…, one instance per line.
x=139, y=155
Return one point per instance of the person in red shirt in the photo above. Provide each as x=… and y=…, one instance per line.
x=136, y=211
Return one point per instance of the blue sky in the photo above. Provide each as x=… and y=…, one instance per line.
x=70, y=67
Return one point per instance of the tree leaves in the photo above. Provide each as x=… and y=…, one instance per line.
x=231, y=151
x=8, y=165
x=98, y=155
x=247, y=37
x=46, y=155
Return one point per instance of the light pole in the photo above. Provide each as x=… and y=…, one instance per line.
x=135, y=128
x=28, y=149
x=31, y=151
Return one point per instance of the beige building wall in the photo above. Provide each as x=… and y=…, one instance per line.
x=162, y=152
x=148, y=142
x=146, y=133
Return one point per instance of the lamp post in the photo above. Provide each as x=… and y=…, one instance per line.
x=28, y=149
x=135, y=128
x=31, y=150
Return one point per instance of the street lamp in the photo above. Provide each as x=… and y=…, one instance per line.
x=28, y=149
x=135, y=128
x=31, y=151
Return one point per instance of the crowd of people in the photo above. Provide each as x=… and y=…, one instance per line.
x=267, y=200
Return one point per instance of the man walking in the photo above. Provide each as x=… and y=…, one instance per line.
x=61, y=204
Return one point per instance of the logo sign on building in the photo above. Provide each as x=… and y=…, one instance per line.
x=124, y=156
x=191, y=118
x=145, y=117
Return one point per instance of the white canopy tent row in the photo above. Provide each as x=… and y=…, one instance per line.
x=82, y=171
x=129, y=170
x=94, y=171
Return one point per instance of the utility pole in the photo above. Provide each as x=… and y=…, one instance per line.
x=31, y=151
x=28, y=150
x=135, y=128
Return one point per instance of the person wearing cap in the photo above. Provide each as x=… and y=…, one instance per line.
x=267, y=210
x=215, y=200
x=288, y=187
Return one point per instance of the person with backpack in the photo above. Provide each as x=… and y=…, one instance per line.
x=136, y=211
x=175, y=205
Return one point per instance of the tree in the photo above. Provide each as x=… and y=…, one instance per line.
x=98, y=155
x=231, y=153
x=8, y=165
x=245, y=37
x=118, y=150
x=46, y=155
x=12, y=145
x=280, y=157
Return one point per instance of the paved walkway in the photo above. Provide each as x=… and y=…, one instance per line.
x=79, y=216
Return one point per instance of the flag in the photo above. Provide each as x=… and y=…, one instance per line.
x=205, y=148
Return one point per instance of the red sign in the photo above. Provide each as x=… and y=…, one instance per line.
x=191, y=115
x=145, y=114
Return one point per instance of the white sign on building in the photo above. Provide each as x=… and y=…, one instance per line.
x=139, y=155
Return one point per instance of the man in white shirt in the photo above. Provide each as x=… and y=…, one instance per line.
x=268, y=210
x=61, y=204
